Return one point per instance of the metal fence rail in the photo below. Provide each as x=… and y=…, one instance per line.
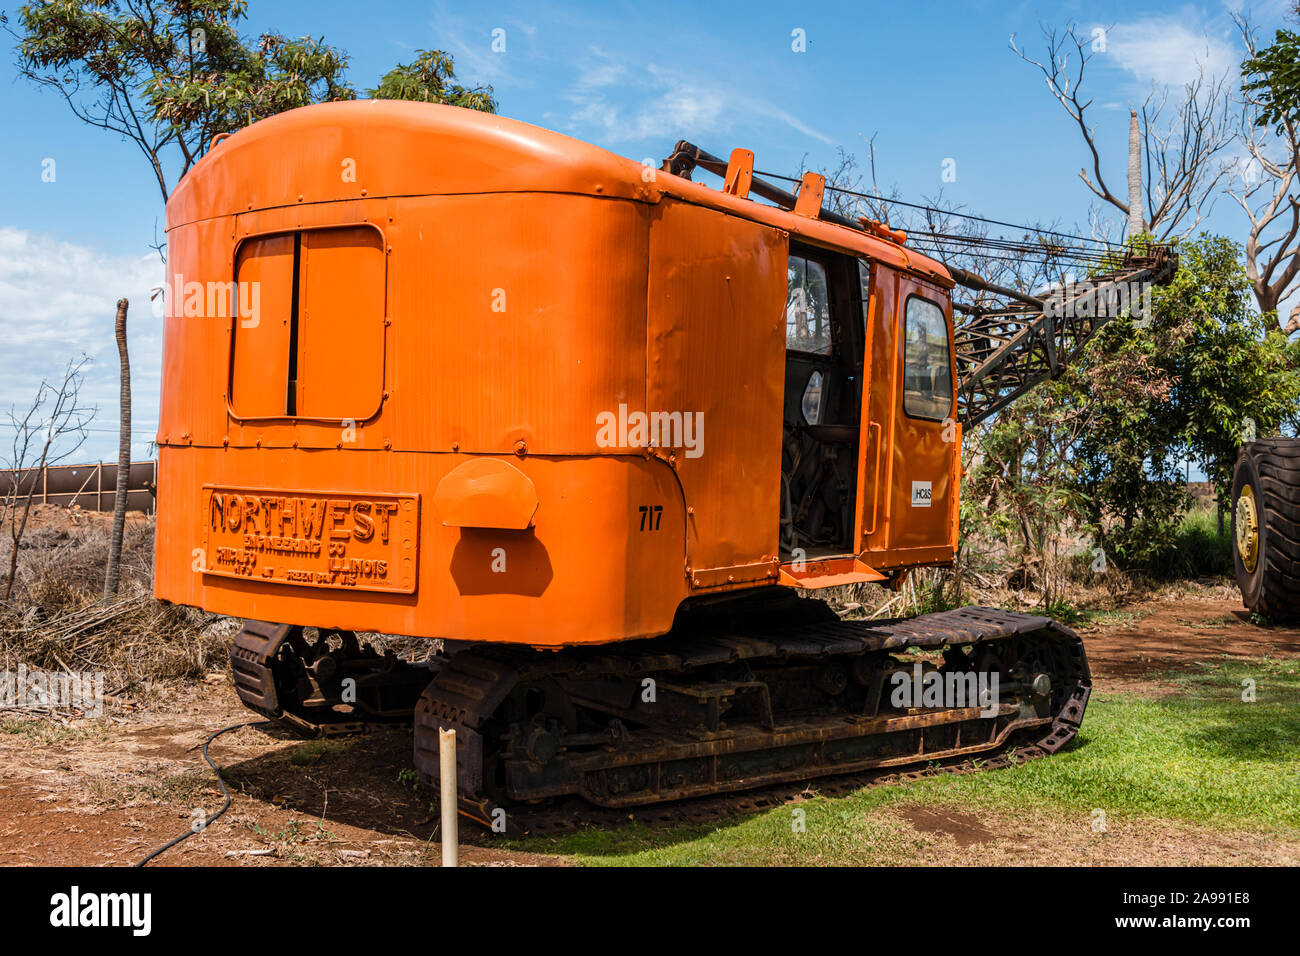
x=93, y=486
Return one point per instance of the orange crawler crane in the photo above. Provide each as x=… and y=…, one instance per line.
x=595, y=426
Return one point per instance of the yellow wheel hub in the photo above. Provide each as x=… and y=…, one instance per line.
x=1247, y=523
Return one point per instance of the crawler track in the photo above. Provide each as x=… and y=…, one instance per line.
x=767, y=695
x=328, y=686
x=573, y=814
x=759, y=695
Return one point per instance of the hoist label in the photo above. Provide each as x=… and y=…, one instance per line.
x=920, y=494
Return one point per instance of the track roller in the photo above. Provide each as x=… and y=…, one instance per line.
x=321, y=682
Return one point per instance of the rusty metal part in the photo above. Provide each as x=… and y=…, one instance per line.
x=769, y=693
x=1003, y=352
x=300, y=684
x=574, y=813
x=686, y=156
x=978, y=283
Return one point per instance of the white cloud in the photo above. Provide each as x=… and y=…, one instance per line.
x=472, y=48
x=658, y=103
x=57, y=302
x=1170, y=49
x=760, y=108
x=600, y=71
x=676, y=112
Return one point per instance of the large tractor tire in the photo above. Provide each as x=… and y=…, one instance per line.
x=1266, y=527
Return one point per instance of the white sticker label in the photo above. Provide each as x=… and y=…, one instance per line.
x=920, y=494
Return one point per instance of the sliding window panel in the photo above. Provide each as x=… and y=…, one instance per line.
x=261, y=323
x=340, y=368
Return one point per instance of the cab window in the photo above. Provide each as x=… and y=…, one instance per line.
x=927, y=370
x=807, y=308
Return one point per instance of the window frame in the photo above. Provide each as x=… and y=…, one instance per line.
x=902, y=348
x=299, y=230
x=825, y=266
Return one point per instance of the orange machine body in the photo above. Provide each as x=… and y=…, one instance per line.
x=434, y=372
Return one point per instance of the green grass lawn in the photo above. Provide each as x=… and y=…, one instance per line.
x=1200, y=755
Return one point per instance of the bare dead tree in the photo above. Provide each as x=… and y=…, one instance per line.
x=851, y=192
x=112, y=573
x=1266, y=186
x=855, y=193
x=880, y=207
x=52, y=428
x=1182, y=143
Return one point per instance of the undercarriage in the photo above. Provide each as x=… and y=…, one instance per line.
x=767, y=689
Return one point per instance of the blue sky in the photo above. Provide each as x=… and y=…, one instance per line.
x=932, y=81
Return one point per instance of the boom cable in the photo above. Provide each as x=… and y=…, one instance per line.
x=944, y=212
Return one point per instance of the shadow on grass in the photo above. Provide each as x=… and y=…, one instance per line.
x=1255, y=707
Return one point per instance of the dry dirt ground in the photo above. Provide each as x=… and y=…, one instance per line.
x=107, y=791
x=949, y=836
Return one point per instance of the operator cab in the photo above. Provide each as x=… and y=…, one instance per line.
x=825, y=330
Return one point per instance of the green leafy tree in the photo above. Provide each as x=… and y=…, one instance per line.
x=1126, y=471
x=1272, y=77
x=1189, y=384
x=1100, y=449
x=1017, y=489
x=1236, y=372
x=169, y=75
x=430, y=79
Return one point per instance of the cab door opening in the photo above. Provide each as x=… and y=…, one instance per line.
x=823, y=402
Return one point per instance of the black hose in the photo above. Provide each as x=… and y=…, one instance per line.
x=221, y=783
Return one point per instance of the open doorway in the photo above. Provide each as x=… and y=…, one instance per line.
x=823, y=401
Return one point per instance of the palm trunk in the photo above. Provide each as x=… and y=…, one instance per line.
x=113, y=573
x=1135, y=226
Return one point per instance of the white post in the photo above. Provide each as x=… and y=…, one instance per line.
x=447, y=797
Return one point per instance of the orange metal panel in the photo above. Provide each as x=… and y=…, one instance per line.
x=811, y=189
x=516, y=319
x=740, y=173
x=196, y=345
x=716, y=350
x=830, y=572
x=300, y=432
x=487, y=493
x=359, y=542
x=586, y=572
x=346, y=151
x=879, y=400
